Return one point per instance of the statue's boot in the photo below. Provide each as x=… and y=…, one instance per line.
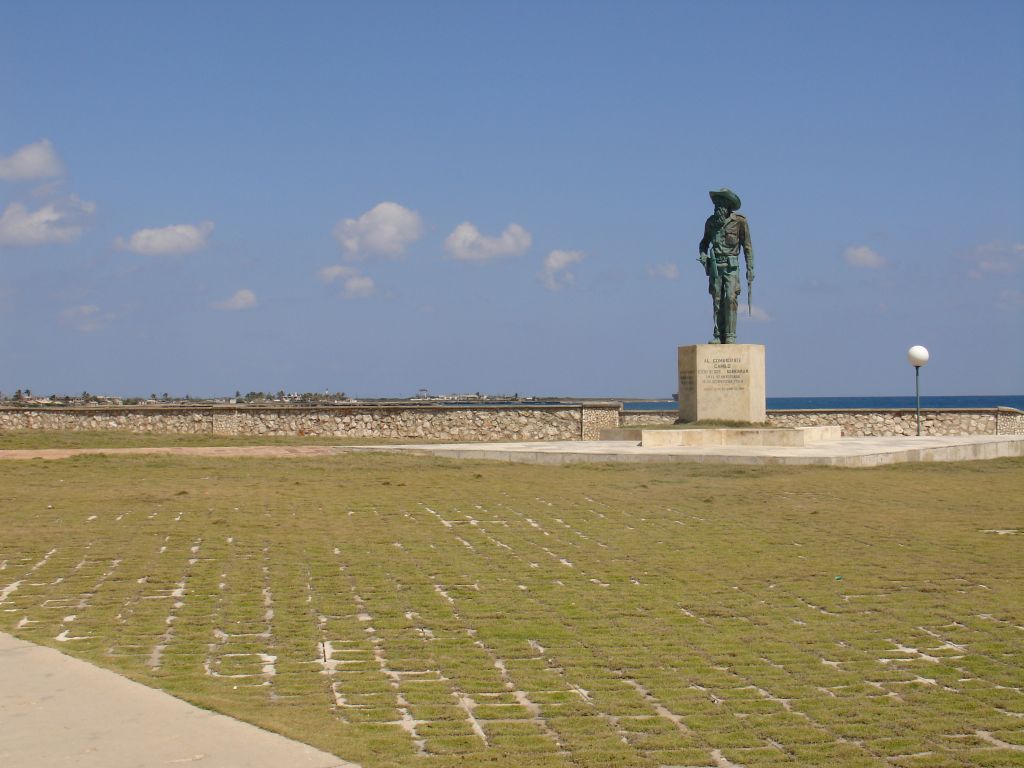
x=716, y=336
x=728, y=323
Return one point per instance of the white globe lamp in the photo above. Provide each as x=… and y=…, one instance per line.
x=917, y=356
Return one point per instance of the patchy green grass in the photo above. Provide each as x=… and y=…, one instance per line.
x=408, y=611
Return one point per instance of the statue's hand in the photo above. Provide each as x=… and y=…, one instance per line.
x=750, y=275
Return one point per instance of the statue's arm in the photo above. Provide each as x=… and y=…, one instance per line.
x=705, y=242
x=748, y=252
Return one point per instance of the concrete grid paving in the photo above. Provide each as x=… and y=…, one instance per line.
x=463, y=629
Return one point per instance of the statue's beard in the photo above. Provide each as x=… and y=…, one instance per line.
x=720, y=216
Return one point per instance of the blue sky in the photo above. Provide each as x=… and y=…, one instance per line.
x=376, y=197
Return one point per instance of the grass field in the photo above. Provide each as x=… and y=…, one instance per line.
x=409, y=611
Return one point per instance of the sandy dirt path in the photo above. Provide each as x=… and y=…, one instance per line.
x=260, y=451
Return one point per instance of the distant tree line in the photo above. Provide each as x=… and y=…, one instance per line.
x=294, y=397
x=26, y=395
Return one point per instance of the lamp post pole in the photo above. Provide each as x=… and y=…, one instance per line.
x=917, y=395
x=918, y=356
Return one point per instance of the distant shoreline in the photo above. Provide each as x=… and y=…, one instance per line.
x=859, y=403
x=870, y=403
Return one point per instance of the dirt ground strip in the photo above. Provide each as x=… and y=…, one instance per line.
x=407, y=611
x=235, y=451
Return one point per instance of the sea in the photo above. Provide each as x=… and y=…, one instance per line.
x=869, y=403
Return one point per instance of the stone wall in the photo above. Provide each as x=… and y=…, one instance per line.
x=857, y=423
x=645, y=418
x=596, y=419
x=866, y=423
x=566, y=421
x=569, y=421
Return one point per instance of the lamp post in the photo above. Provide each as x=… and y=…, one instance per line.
x=918, y=356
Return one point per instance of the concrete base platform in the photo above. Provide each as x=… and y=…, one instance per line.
x=845, y=452
x=656, y=438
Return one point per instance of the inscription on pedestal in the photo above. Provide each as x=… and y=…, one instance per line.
x=726, y=374
x=722, y=381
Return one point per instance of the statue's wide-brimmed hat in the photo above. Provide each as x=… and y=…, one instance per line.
x=729, y=198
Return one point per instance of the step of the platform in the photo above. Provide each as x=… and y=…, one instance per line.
x=656, y=438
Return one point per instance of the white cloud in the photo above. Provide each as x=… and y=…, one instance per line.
x=755, y=312
x=33, y=161
x=385, y=230
x=60, y=222
x=559, y=260
x=178, y=238
x=996, y=258
x=355, y=285
x=556, y=274
x=465, y=243
x=337, y=272
x=359, y=287
x=862, y=256
x=85, y=318
x=241, y=299
x=666, y=271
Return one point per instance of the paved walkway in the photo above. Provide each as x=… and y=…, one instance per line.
x=59, y=712
x=845, y=452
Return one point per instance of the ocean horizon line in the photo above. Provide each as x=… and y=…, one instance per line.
x=849, y=402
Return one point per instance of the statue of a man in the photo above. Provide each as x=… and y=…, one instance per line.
x=725, y=232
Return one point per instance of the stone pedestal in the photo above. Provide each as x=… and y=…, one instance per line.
x=722, y=381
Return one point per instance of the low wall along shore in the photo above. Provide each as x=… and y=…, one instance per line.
x=472, y=423
x=887, y=423
x=569, y=421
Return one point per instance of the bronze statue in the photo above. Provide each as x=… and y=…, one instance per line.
x=725, y=232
